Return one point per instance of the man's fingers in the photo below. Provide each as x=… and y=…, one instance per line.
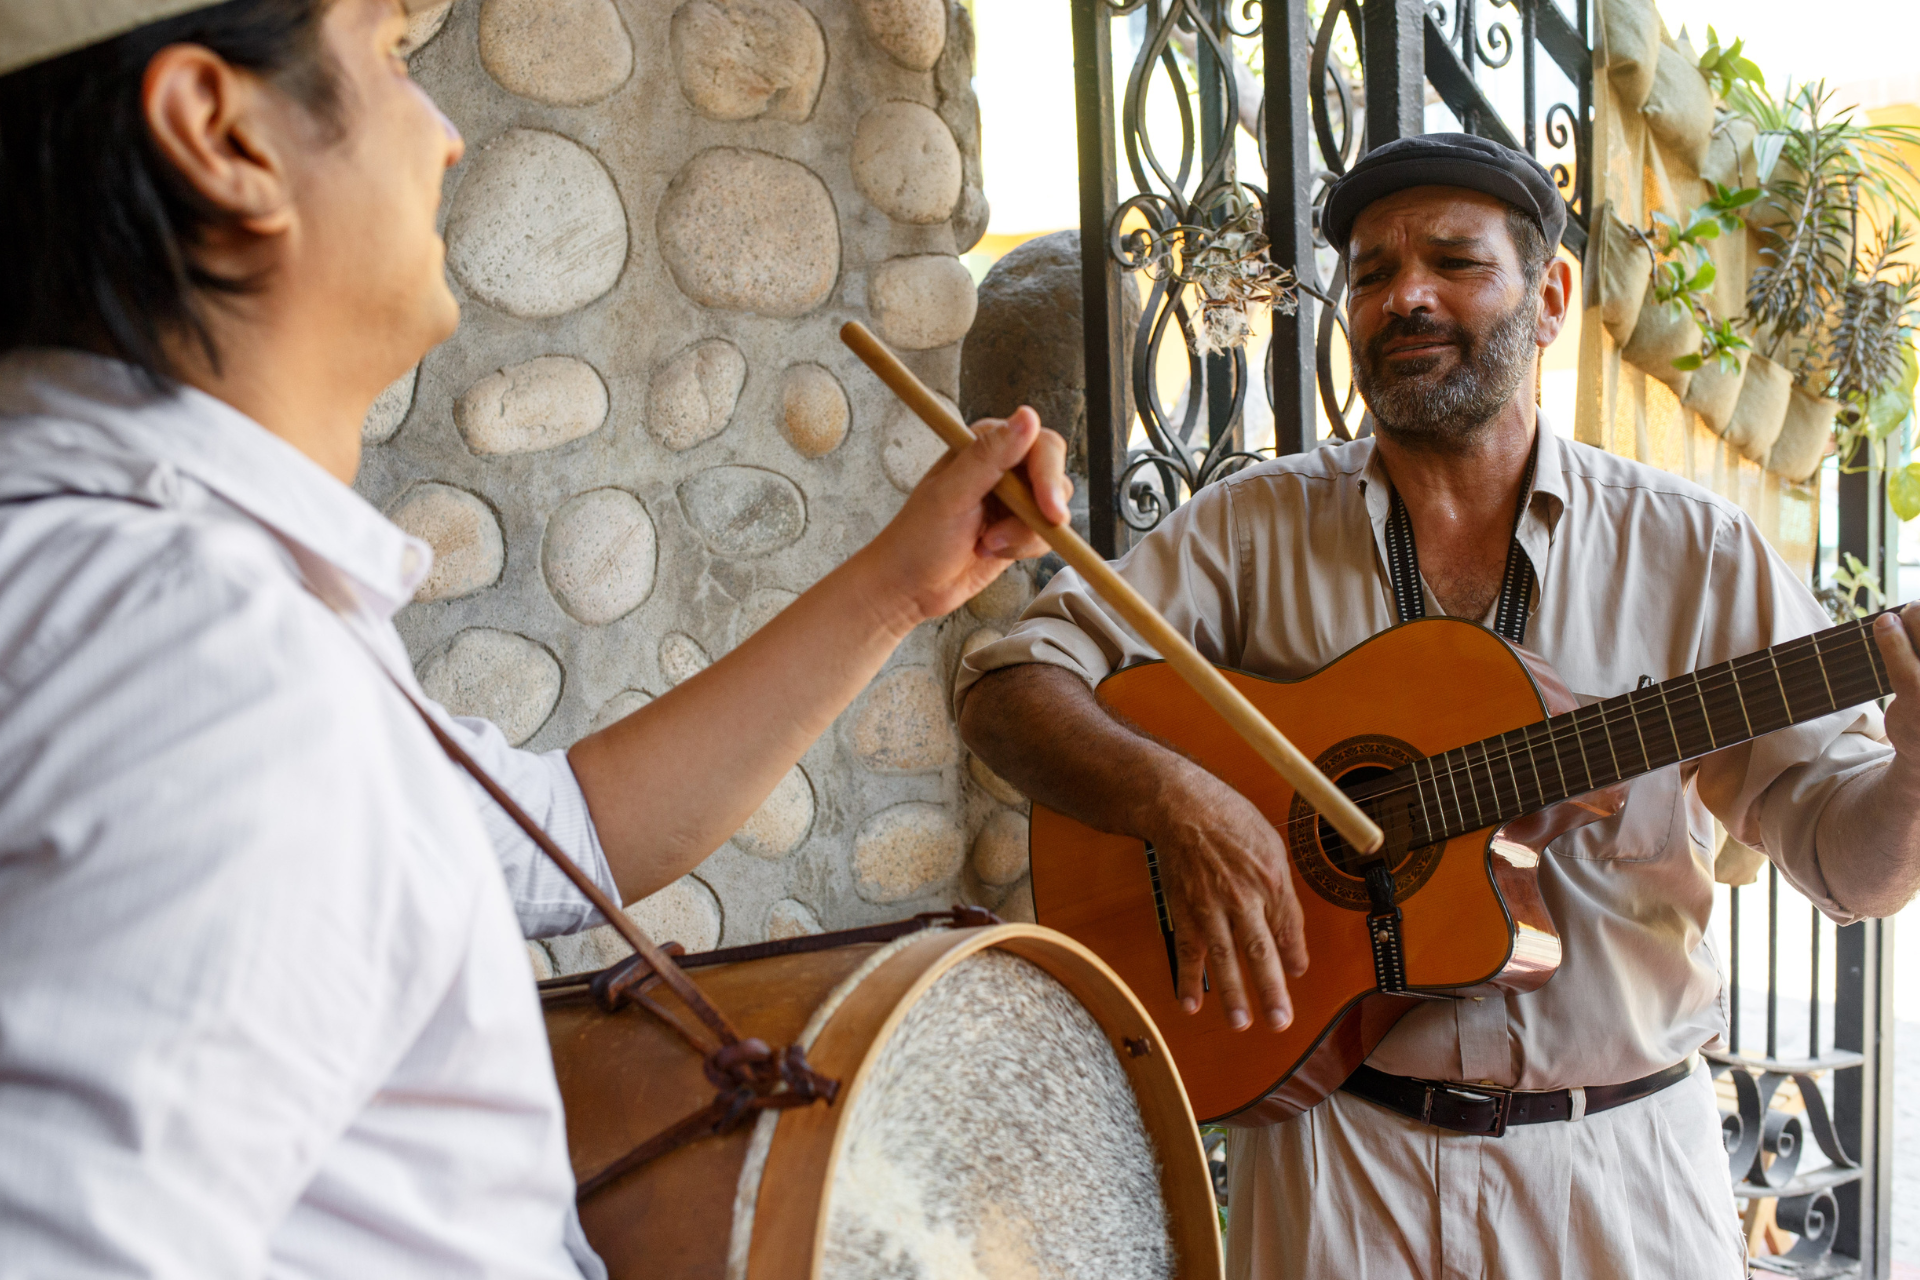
x=1895, y=637
x=1010, y=539
x=1192, y=957
x=1046, y=468
x=1262, y=958
x=1289, y=925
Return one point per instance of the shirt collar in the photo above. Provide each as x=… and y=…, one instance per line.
x=81, y=423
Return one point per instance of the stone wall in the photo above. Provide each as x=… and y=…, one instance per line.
x=646, y=438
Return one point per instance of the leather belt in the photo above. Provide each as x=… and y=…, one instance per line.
x=1489, y=1109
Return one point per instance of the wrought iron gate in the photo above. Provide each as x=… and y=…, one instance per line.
x=1164, y=150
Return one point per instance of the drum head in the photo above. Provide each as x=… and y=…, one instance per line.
x=997, y=1136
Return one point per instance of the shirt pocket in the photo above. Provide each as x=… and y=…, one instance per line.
x=1642, y=830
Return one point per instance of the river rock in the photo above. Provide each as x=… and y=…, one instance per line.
x=1000, y=850
x=743, y=511
x=781, y=822
x=537, y=228
x=389, y=409
x=1005, y=596
x=923, y=301
x=618, y=708
x=738, y=59
x=497, y=676
x=681, y=657
x=539, y=404
x=906, y=162
x=902, y=725
x=423, y=25
x=790, y=919
x=911, y=32
x=748, y=231
x=905, y=851
x=993, y=784
x=469, y=550
x=686, y=912
x=599, y=555
x=1017, y=906
x=566, y=53
x=813, y=410
x=694, y=393
x=908, y=446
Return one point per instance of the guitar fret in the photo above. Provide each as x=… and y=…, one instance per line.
x=1421, y=792
x=1679, y=752
x=1785, y=705
x=1734, y=672
x=1506, y=749
x=1455, y=786
x=1540, y=788
x=1633, y=714
x=1881, y=687
x=1606, y=729
x=1704, y=713
x=1493, y=781
x=1579, y=740
x=1824, y=678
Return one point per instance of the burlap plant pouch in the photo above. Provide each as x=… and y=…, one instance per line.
x=1619, y=271
x=1804, y=435
x=1679, y=109
x=1730, y=160
x=1666, y=332
x=1630, y=30
x=1760, y=408
x=1712, y=393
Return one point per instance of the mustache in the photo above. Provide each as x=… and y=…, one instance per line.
x=1417, y=325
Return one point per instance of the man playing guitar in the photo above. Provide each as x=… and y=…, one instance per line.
x=1464, y=502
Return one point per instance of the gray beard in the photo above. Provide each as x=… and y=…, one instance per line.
x=1419, y=407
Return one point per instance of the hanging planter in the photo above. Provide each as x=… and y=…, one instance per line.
x=1804, y=435
x=1730, y=158
x=1714, y=391
x=1679, y=108
x=1631, y=32
x=1620, y=270
x=1760, y=409
x=1665, y=333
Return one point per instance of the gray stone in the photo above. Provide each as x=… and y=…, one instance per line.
x=781, y=822
x=618, y=708
x=906, y=851
x=953, y=84
x=1025, y=346
x=536, y=228
x=681, y=658
x=1000, y=850
x=993, y=784
x=497, y=676
x=423, y=25
x=747, y=231
x=743, y=511
x=739, y=59
x=979, y=638
x=469, y=551
x=1005, y=596
x=694, y=393
x=542, y=962
x=567, y=53
x=921, y=302
x=901, y=725
x=813, y=410
x=1017, y=906
x=906, y=162
x=389, y=409
x=790, y=919
x=911, y=32
x=541, y=403
x=908, y=446
x=686, y=912
x=599, y=555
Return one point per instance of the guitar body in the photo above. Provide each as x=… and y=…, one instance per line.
x=1472, y=918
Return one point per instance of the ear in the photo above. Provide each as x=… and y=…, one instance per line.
x=210, y=123
x=1556, y=295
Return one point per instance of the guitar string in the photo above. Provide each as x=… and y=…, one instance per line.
x=1808, y=647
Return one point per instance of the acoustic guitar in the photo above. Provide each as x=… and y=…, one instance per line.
x=1472, y=756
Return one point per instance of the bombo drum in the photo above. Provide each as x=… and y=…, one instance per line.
x=1006, y=1111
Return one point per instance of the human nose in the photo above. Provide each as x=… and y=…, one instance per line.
x=1410, y=290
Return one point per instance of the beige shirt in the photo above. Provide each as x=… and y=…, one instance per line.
x=1282, y=568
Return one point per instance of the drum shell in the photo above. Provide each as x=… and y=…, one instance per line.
x=624, y=1077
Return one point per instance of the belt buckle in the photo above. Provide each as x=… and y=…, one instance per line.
x=1501, y=1098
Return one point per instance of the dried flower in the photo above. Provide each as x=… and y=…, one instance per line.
x=1233, y=276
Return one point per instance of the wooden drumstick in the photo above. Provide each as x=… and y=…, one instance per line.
x=1359, y=830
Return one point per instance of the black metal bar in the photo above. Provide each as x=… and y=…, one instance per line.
x=1558, y=36
x=1773, y=960
x=1217, y=137
x=1101, y=312
x=1394, y=55
x=1813, y=987
x=1529, y=67
x=1287, y=42
x=1733, y=967
x=1456, y=87
x=1862, y=1096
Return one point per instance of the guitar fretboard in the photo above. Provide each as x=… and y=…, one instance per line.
x=1531, y=768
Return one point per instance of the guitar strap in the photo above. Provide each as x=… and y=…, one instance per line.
x=1516, y=588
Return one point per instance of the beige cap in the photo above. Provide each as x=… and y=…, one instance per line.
x=35, y=30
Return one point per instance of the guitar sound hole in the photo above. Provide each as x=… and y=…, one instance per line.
x=1344, y=857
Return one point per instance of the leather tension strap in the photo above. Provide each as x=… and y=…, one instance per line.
x=1516, y=587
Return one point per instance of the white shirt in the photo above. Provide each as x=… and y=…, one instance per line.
x=1281, y=568
x=265, y=1008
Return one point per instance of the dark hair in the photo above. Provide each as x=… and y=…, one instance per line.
x=98, y=231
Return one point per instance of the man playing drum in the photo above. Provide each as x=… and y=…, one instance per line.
x=1610, y=570
x=264, y=1004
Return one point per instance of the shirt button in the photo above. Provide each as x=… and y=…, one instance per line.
x=1478, y=999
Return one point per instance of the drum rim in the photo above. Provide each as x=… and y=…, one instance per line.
x=790, y=1229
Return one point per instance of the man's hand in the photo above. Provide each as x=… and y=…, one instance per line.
x=1896, y=634
x=1229, y=888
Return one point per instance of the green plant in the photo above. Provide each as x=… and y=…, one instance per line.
x=1683, y=272
x=1853, y=578
x=1726, y=68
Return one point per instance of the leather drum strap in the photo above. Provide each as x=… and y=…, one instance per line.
x=1516, y=588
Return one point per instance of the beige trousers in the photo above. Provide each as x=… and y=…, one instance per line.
x=1352, y=1191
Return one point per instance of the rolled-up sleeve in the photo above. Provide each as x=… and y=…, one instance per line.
x=1775, y=792
x=1188, y=568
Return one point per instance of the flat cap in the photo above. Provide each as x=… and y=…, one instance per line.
x=36, y=30
x=1444, y=160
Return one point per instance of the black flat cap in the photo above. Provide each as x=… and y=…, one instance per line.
x=1444, y=160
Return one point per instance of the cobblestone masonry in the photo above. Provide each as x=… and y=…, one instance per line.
x=646, y=436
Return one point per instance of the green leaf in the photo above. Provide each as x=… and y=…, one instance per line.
x=1702, y=278
x=1886, y=411
x=1903, y=491
x=1693, y=361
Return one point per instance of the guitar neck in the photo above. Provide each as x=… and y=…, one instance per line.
x=1513, y=774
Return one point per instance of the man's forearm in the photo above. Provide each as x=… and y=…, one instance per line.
x=1869, y=839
